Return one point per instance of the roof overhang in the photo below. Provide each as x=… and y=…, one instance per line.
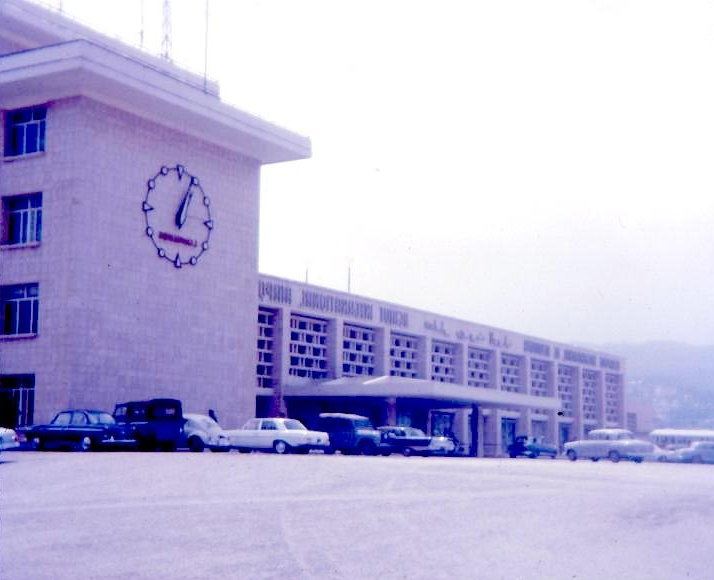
x=82, y=68
x=398, y=387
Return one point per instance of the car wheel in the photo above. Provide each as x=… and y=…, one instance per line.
x=535, y=454
x=572, y=455
x=595, y=459
x=512, y=455
x=244, y=450
x=662, y=459
x=385, y=453
x=614, y=456
x=196, y=444
x=367, y=448
x=407, y=452
x=37, y=444
x=330, y=450
x=637, y=459
x=697, y=459
x=84, y=444
x=281, y=448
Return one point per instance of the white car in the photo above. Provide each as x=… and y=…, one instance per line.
x=440, y=445
x=8, y=438
x=697, y=452
x=279, y=435
x=201, y=432
x=613, y=444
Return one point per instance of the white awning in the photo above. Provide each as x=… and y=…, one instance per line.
x=404, y=388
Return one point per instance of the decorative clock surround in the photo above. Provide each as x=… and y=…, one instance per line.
x=178, y=216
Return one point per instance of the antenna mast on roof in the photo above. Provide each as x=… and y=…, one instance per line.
x=141, y=32
x=166, y=41
x=205, y=52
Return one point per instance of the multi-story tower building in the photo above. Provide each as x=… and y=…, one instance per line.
x=129, y=225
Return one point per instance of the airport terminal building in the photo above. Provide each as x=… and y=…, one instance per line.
x=128, y=270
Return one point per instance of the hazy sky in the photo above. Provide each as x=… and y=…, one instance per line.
x=543, y=166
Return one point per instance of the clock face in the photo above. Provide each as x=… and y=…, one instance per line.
x=178, y=216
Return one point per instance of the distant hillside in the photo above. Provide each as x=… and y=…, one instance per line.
x=677, y=378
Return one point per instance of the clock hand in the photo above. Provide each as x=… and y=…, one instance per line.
x=182, y=212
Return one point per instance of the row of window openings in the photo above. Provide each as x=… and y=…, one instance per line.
x=300, y=323
x=349, y=345
x=308, y=338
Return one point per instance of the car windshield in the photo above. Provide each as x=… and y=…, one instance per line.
x=203, y=421
x=414, y=432
x=100, y=418
x=293, y=425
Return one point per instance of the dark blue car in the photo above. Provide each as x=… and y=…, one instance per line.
x=531, y=447
x=78, y=429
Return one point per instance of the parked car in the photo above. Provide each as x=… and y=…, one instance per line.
x=405, y=440
x=660, y=455
x=613, y=444
x=277, y=434
x=350, y=434
x=697, y=452
x=443, y=445
x=531, y=447
x=201, y=432
x=8, y=438
x=154, y=424
x=79, y=429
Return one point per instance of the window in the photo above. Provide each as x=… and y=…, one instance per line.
x=17, y=400
x=20, y=306
x=22, y=219
x=25, y=131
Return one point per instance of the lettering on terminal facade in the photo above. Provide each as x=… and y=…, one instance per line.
x=393, y=317
x=277, y=293
x=332, y=304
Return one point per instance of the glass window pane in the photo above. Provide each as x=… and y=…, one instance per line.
x=31, y=138
x=35, y=314
x=25, y=318
x=9, y=318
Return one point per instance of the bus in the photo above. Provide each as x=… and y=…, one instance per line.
x=680, y=438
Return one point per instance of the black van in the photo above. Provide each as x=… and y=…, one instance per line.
x=154, y=424
x=349, y=434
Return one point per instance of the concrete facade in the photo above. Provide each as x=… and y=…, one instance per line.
x=116, y=322
x=322, y=350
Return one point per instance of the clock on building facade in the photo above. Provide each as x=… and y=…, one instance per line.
x=178, y=216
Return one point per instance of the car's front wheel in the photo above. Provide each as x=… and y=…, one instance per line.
x=367, y=448
x=614, y=456
x=281, y=448
x=595, y=459
x=407, y=452
x=84, y=444
x=572, y=455
x=196, y=444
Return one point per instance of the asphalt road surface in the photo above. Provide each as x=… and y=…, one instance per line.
x=226, y=515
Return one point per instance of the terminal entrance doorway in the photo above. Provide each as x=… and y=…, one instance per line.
x=508, y=433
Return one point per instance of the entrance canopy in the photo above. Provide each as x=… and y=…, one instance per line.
x=385, y=387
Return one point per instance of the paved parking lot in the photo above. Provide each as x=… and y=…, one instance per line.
x=183, y=515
